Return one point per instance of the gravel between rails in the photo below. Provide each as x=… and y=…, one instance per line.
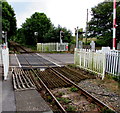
x=110, y=98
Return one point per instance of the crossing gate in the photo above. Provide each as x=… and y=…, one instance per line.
x=47, y=47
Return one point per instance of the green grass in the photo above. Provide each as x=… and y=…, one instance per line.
x=70, y=108
x=63, y=100
x=72, y=65
x=30, y=46
x=107, y=111
x=110, y=77
x=49, y=98
x=60, y=93
x=74, y=89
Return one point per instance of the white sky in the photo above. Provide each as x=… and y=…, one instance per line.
x=67, y=13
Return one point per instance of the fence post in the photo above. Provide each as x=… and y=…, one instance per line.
x=104, y=65
x=75, y=55
x=80, y=57
x=119, y=64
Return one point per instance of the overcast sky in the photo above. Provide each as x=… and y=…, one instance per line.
x=67, y=13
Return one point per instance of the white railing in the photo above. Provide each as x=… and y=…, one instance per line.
x=98, y=61
x=113, y=62
x=5, y=60
x=44, y=47
x=91, y=61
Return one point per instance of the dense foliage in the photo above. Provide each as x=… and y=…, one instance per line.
x=8, y=20
x=101, y=24
x=39, y=23
x=53, y=35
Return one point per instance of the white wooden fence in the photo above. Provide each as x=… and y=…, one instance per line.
x=98, y=62
x=91, y=61
x=4, y=51
x=113, y=62
x=45, y=47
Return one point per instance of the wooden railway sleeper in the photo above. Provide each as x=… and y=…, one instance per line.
x=88, y=95
x=53, y=79
x=45, y=78
x=83, y=73
x=73, y=73
x=74, y=78
x=64, y=111
x=60, y=77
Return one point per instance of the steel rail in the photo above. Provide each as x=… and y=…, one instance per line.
x=88, y=95
x=60, y=106
x=85, y=93
x=95, y=100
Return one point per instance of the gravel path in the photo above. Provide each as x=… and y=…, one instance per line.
x=102, y=93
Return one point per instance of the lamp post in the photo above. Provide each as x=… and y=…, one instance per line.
x=76, y=30
x=36, y=34
x=61, y=37
x=4, y=38
x=86, y=28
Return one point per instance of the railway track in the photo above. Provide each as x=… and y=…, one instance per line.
x=17, y=48
x=55, y=78
x=51, y=79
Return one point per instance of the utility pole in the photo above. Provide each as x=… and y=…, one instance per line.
x=114, y=25
x=86, y=28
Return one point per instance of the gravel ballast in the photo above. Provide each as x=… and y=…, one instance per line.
x=103, y=93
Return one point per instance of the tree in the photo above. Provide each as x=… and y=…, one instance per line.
x=8, y=20
x=101, y=24
x=53, y=34
x=39, y=23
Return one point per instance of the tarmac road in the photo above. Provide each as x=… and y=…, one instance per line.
x=40, y=59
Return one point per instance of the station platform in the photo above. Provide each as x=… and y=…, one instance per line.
x=20, y=101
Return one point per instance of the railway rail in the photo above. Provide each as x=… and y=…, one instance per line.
x=52, y=78
x=17, y=48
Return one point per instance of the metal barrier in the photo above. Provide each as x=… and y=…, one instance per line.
x=46, y=47
x=4, y=51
